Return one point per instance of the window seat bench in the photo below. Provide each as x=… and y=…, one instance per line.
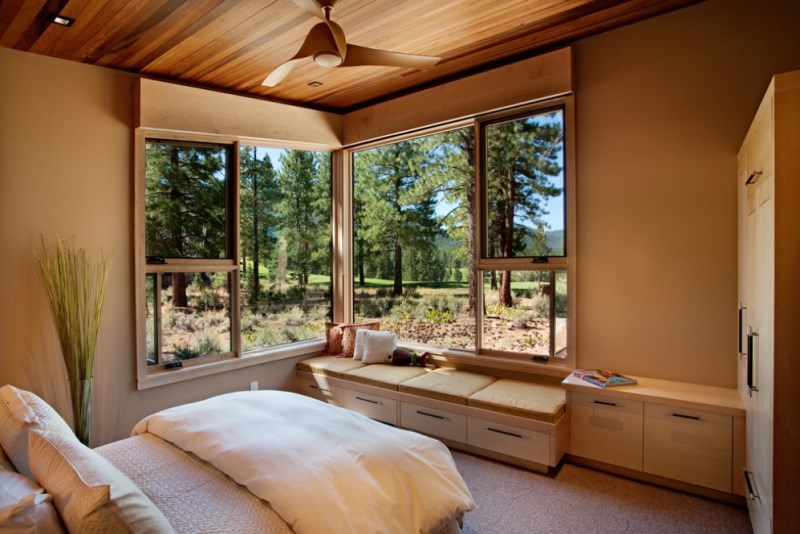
x=516, y=421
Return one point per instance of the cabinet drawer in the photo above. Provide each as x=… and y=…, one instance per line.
x=688, y=445
x=434, y=422
x=510, y=440
x=607, y=429
x=373, y=406
x=320, y=389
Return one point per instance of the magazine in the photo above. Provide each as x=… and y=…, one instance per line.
x=605, y=378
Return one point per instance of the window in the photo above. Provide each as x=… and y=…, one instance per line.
x=285, y=241
x=237, y=258
x=524, y=258
x=412, y=233
x=436, y=270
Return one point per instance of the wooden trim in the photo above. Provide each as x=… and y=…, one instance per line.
x=139, y=297
x=175, y=107
x=341, y=221
x=529, y=80
x=571, y=157
x=234, y=206
x=191, y=266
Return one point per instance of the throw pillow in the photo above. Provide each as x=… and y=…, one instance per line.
x=350, y=337
x=378, y=346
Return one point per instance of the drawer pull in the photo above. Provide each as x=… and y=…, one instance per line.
x=752, y=177
x=441, y=417
x=314, y=386
x=513, y=435
x=368, y=400
x=684, y=416
x=750, y=486
x=606, y=403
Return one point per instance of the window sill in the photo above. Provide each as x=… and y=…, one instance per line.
x=163, y=377
x=553, y=368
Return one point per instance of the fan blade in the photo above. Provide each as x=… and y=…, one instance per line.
x=338, y=36
x=310, y=7
x=317, y=39
x=361, y=55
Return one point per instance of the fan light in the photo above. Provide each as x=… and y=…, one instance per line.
x=327, y=59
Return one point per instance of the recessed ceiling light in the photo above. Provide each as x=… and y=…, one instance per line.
x=61, y=20
x=314, y=84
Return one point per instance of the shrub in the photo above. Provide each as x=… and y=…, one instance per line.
x=437, y=316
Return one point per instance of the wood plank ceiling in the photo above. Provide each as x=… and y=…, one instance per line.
x=231, y=45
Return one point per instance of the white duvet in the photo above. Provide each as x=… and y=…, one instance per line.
x=322, y=468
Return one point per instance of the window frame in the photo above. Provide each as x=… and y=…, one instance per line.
x=480, y=356
x=149, y=376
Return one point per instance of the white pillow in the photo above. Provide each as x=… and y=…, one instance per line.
x=378, y=345
x=21, y=410
x=25, y=507
x=358, y=351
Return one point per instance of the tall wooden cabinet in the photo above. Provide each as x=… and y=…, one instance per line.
x=769, y=300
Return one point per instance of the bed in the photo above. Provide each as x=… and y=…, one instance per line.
x=266, y=461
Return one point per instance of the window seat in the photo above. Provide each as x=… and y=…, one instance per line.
x=518, y=421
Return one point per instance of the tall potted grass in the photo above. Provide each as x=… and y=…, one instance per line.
x=75, y=286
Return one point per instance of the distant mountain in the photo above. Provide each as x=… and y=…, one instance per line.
x=555, y=240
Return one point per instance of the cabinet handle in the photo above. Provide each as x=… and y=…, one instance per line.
x=605, y=403
x=440, y=417
x=368, y=400
x=750, y=486
x=752, y=177
x=314, y=386
x=513, y=435
x=750, y=386
x=741, y=327
x=684, y=416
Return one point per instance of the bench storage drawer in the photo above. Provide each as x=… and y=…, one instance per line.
x=434, y=422
x=510, y=440
x=373, y=406
x=320, y=389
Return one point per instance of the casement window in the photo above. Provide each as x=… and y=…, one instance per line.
x=235, y=243
x=462, y=239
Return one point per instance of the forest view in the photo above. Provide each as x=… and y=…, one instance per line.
x=414, y=249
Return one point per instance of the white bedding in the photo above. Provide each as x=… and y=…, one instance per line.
x=322, y=468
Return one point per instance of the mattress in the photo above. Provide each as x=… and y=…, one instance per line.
x=194, y=496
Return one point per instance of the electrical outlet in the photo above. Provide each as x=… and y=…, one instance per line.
x=254, y=385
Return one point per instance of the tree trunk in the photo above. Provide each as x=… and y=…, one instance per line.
x=179, y=299
x=361, y=281
x=493, y=278
x=507, y=238
x=473, y=277
x=398, y=271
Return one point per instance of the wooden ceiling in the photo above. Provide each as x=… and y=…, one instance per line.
x=231, y=45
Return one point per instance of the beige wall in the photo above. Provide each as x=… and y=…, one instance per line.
x=662, y=108
x=65, y=167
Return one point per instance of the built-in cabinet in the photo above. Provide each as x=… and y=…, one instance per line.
x=768, y=185
x=685, y=435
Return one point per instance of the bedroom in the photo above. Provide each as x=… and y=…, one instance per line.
x=657, y=264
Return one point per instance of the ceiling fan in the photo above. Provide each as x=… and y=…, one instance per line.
x=328, y=47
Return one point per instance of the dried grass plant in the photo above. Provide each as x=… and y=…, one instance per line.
x=75, y=286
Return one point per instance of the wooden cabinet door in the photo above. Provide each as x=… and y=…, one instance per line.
x=761, y=281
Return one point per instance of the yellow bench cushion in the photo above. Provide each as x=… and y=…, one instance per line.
x=447, y=385
x=533, y=400
x=382, y=375
x=329, y=365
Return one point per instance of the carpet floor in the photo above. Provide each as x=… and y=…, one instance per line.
x=578, y=500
